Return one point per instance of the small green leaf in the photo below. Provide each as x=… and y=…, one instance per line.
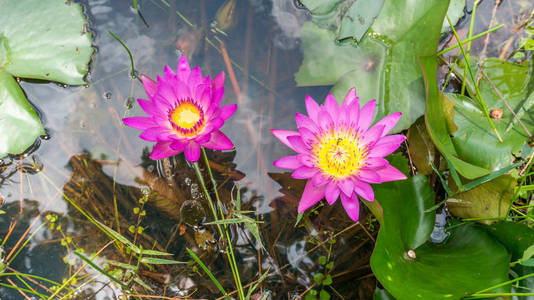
x=330, y=265
x=322, y=260
x=327, y=280
x=324, y=295
x=318, y=277
x=136, y=210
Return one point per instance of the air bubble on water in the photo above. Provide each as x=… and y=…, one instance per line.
x=187, y=181
x=107, y=95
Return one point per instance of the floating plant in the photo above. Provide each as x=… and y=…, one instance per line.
x=45, y=40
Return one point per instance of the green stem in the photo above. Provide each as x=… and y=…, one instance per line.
x=219, y=204
x=230, y=254
x=127, y=50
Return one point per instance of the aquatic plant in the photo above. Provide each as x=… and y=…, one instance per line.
x=339, y=153
x=184, y=113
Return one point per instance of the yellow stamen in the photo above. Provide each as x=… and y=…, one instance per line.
x=338, y=153
x=185, y=115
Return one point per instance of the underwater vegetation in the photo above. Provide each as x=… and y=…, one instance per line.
x=124, y=178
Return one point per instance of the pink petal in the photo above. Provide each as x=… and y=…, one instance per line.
x=310, y=196
x=216, y=97
x=178, y=145
x=364, y=189
x=351, y=205
x=331, y=192
x=213, y=124
x=162, y=150
x=192, y=151
x=325, y=120
x=389, y=122
x=319, y=179
x=298, y=144
x=368, y=175
x=304, y=173
x=282, y=135
x=331, y=105
x=148, y=107
x=151, y=134
x=375, y=162
x=183, y=69
x=218, y=82
x=353, y=114
x=218, y=141
x=201, y=139
x=141, y=123
x=202, y=95
x=166, y=93
x=289, y=162
x=307, y=136
x=306, y=160
x=305, y=122
x=372, y=136
x=389, y=173
x=195, y=78
x=181, y=91
x=346, y=186
x=151, y=87
x=387, y=145
x=168, y=73
x=312, y=108
x=227, y=111
x=367, y=114
x=350, y=98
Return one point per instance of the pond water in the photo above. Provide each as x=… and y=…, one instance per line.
x=90, y=158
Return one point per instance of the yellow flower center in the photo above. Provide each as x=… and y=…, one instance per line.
x=338, y=153
x=186, y=117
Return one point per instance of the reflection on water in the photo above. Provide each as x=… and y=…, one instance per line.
x=103, y=167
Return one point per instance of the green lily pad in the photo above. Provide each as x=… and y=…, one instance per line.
x=517, y=238
x=347, y=18
x=488, y=200
x=475, y=140
x=384, y=65
x=17, y=117
x=468, y=261
x=45, y=40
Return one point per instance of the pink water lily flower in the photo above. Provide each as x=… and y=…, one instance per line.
x=184, y=113
x=338, y=153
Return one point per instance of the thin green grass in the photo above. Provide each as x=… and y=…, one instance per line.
x=478, y=95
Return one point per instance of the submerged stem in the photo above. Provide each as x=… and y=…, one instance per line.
x=230, y=253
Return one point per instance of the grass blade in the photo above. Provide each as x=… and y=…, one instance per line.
x=208, y=272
